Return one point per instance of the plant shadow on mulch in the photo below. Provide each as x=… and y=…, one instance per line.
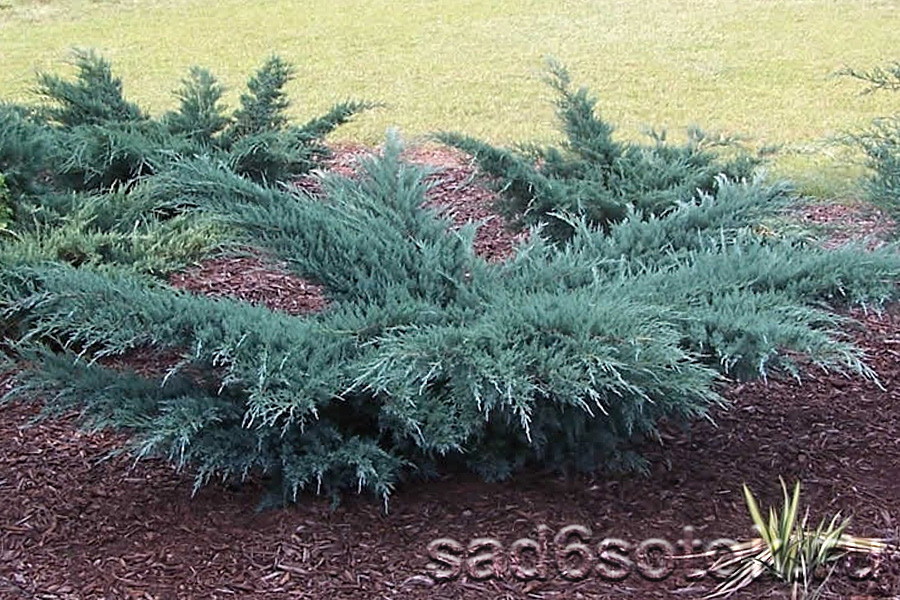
x=78, y=523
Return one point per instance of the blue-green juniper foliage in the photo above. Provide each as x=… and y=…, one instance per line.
x=427, y=357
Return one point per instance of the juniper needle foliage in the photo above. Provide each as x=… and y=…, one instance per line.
x=71, y=163
x=881, y=142
x=613, y=316
x=595, y=176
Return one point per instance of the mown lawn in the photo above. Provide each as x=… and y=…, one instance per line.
x=757, y=68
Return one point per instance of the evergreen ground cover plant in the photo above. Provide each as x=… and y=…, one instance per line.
x=71, y=162
x=427, y=357
x=881, y=142
x=5, y=204
x=595, y=176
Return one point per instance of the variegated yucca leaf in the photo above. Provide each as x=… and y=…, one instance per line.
x=786, y=548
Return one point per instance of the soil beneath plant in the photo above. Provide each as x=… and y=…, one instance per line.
x=78, y=522
x=254, y=279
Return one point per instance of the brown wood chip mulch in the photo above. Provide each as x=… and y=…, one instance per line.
x=252, y=279
x=77, y=523
x=847, y=222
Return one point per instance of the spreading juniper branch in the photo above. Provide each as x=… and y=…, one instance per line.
x=877, y=78
x=594, y=176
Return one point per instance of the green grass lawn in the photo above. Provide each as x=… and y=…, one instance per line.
x=757, y=68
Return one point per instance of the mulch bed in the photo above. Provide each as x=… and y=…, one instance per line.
x=77, y=522
x=848, y=222
x=252, y=279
